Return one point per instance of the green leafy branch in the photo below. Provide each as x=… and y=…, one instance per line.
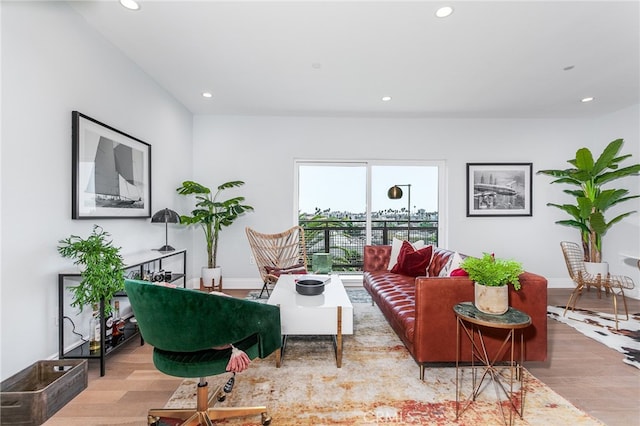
x=101, y=265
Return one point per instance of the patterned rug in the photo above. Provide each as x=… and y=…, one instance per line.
x=602, y=327
x=377, y=384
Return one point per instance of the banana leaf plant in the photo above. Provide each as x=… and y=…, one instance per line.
x=592, y=200
x=211, y=214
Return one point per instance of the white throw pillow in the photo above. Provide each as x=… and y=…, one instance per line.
x=395, y=251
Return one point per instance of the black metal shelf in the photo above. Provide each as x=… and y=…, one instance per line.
x=130, y=330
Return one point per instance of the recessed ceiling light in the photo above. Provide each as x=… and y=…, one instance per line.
x=130, y=4
x=444, y=11
x=207, y=95
x=587, y=99
x=386, y=98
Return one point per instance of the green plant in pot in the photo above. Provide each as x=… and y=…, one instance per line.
x=592, y=199
x=492, y=277
x=101, y=267
x=212, y=214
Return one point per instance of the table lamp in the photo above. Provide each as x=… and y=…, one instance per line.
x=166, y=216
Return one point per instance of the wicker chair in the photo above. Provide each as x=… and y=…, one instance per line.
x=574, y=258
x=276, y=254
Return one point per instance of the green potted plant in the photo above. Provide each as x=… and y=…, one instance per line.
x=101, y=267
x=491, y=277
x=212, y=215
x=592, y=200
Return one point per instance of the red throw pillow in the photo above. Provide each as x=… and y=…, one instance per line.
x=458, y=273
x=295, y=269
x=413, y=262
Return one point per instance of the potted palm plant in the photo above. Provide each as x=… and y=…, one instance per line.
x=212, y=214
x=491, y=277
x=587, y=179
x=101, y=268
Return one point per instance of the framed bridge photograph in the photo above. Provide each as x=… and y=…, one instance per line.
x=499, y=189
x=111, y=172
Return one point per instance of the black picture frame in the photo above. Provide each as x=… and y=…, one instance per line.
x=111, y=172
x=499, y=189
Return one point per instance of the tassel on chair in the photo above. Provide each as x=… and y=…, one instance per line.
x=239, y=360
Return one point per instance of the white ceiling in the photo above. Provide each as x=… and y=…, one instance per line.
x=488, y=59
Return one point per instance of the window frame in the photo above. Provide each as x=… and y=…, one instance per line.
x=369, y=164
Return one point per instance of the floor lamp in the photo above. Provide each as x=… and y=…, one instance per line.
x=166, y=216
x=395, y=193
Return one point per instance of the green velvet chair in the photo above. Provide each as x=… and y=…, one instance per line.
x=183, y=326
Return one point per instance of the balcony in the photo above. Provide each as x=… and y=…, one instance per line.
x=345, y=238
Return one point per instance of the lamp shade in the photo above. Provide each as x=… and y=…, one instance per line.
x=395, y=192
x=165, y=216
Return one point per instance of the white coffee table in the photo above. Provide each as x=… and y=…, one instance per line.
x=329, y=313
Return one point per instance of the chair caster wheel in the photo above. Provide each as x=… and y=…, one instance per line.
x=266, y=419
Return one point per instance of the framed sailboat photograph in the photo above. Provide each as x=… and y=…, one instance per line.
x=111, y=172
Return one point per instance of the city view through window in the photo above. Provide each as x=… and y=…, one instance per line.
x=342, y=207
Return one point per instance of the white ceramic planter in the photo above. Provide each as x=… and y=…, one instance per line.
x=491, y=300
x=211, y=277
x=594, y=268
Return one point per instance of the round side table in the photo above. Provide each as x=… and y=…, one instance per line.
x=471, y=321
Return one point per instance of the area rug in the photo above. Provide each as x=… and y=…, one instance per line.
x=602, y=327
x=377, y=384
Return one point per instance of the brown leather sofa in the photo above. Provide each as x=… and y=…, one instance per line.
x=420, y=310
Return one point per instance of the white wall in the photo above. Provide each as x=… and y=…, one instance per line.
x=261, y=151
x=624, y=237
x=53, y=63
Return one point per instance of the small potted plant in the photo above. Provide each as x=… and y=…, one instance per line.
x=491, y=277
x=212, y=215
x=101, y=268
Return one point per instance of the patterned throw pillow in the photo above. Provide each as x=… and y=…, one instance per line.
x=396, y=245
x=454, y=263
x=412, y=262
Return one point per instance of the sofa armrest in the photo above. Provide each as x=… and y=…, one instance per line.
x=376, y=258
x=436, y=323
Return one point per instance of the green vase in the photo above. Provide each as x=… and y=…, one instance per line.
x=321, y=263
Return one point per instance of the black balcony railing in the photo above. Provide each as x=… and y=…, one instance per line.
x=345, y=239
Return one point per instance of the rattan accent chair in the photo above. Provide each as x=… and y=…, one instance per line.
x=275, y=254
x=190, y=332
x=614, y=284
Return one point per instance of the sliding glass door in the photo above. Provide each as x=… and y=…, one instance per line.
x=344, y=205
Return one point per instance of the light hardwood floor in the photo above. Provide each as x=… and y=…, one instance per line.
x=587, y=373
x=590, y=375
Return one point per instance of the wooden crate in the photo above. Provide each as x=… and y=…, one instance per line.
x=33, y=395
